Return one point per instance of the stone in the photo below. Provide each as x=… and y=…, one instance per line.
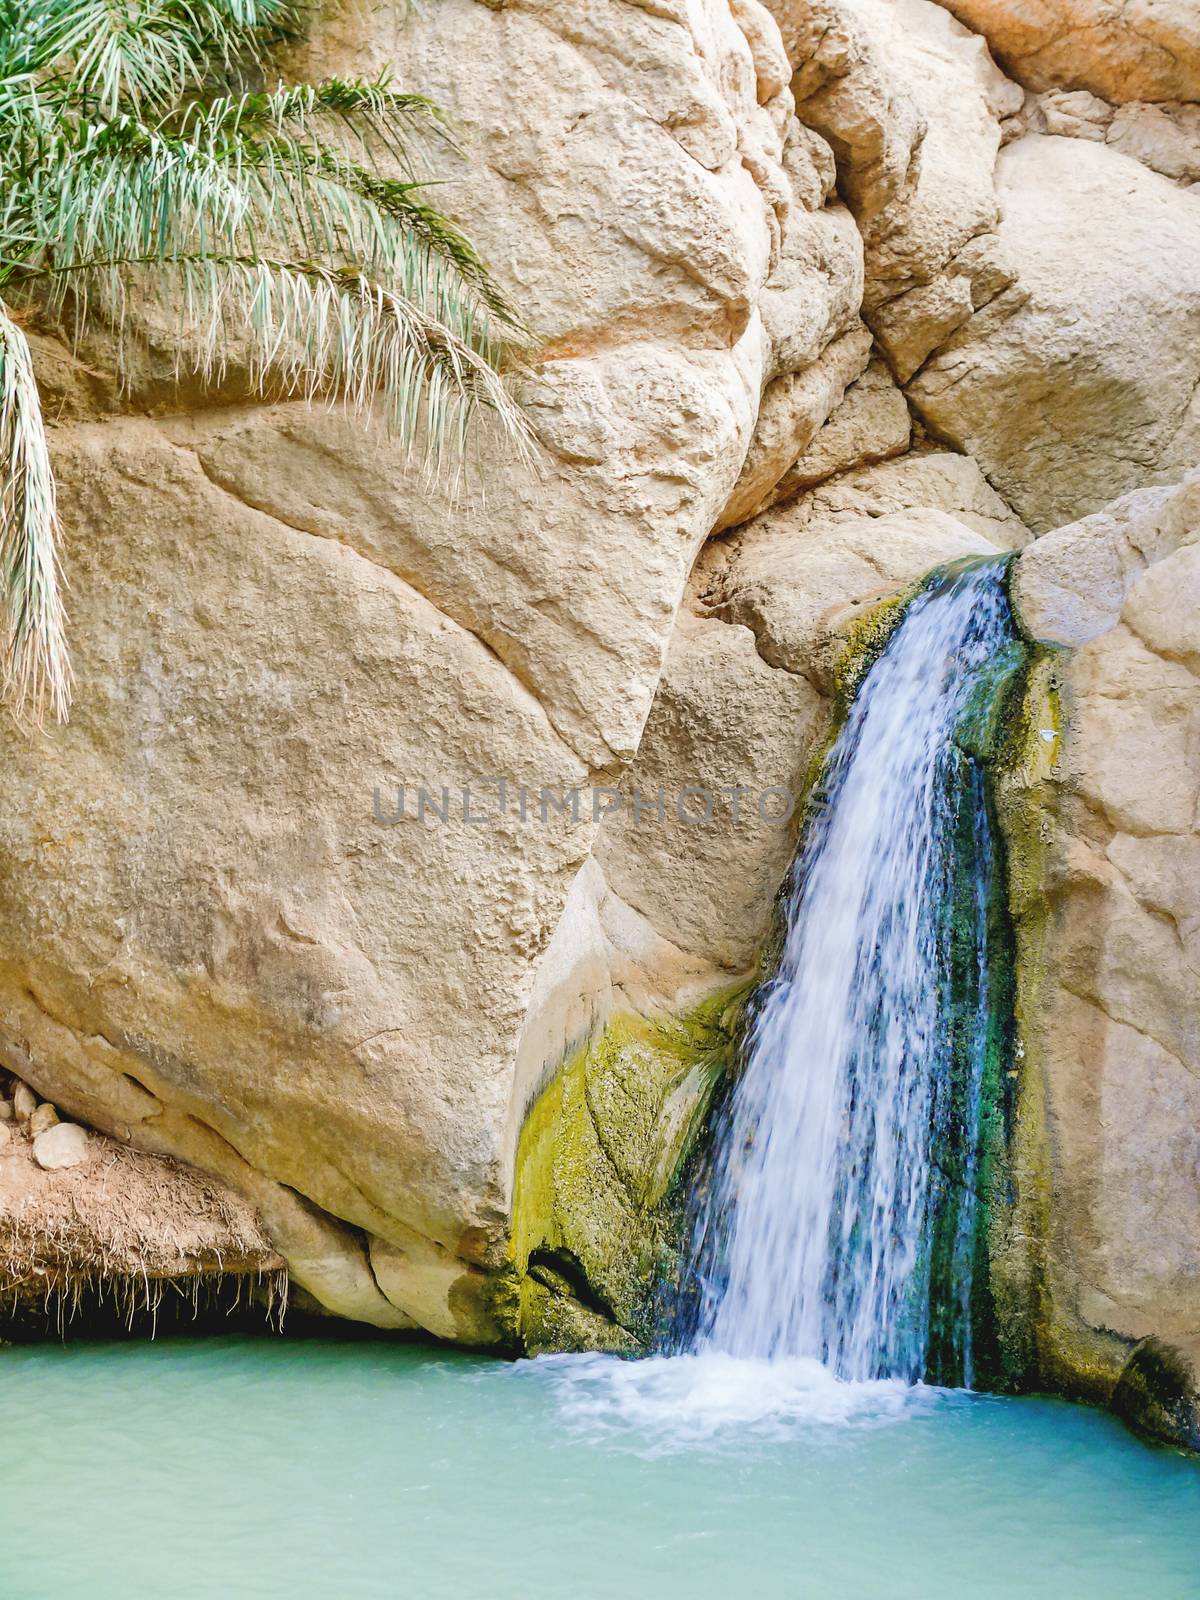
x=1074, y=584
x=222, y=950
x=705, y=878
x=1106, y=875
x=24, y=1102
x=1080, y=383
x=846, y=93
x=1134, y=50
x=63, y=1145
x=923, y=479
x=45, y=1116
x=911, y=104
x=870, y=425
x=6, y=1110
x=797, y=584
x=1075, y=114
x=793, y=409
x=1166, y=138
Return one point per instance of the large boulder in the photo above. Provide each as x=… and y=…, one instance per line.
x=1038, y=302
x=1106, y=875
x=911, y=104
x=212, y=942
x=1080, y=383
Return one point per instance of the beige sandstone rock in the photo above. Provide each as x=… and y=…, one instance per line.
x=1019, y=294
x=795, y=583
x=1163, y=137
x=65, y=1144
x=911, y=104
x=814, y=343
x=1121, y=49
x=1074, y=584
x=871, y=424
x=793, y=409
x=1081, y=383
x=24, y=1102
x=1073, y=113
x=1109, y=930
x=1166, y=138
x=937, y=480
x=211, y=946
x=44, y=1117
x=275, y=999
x=845, y=91
x=705, y=874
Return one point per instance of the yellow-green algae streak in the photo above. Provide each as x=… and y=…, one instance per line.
x=596, y=1212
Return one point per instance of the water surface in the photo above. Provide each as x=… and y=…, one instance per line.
x=313, y=1470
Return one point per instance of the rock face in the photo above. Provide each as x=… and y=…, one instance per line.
x=214, y=943
x=1121, y=49
x=822, y=297
x=1080, y=382
x=1108, y=923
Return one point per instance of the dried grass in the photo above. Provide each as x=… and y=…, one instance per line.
x=126, y=1232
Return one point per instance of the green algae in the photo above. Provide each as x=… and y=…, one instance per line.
x=1019, y=1224
x=1045, y=1344
x=597, y=1213
x=1157, y=1395
x=978, y=1004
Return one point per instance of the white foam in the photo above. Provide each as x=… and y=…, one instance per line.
x=665, y=1402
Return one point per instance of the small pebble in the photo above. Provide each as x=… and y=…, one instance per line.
x=6, y=1111
x=44, y=1117
x=64, y=1145
x=24, y=1102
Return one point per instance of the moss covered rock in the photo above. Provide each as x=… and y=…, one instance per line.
x=596, y=1212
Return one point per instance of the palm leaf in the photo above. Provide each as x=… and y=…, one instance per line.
x=142, y=53
x=133, y=156
x=34, y=670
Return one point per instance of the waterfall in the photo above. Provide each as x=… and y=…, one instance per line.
x=839, y=1222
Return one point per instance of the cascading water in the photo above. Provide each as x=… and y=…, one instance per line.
x=840, y=1220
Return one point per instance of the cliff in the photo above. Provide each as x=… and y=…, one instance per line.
x=822, y=292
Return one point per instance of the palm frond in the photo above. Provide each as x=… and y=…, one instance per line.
x=138, y=165
x=312, y=330
x=370, y=110
x=141, y=53
x=125, y=194
x=35, y=675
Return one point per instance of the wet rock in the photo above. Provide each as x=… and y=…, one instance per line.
x=1159, y=1394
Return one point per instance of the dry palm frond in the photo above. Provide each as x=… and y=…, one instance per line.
x=35, y=672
